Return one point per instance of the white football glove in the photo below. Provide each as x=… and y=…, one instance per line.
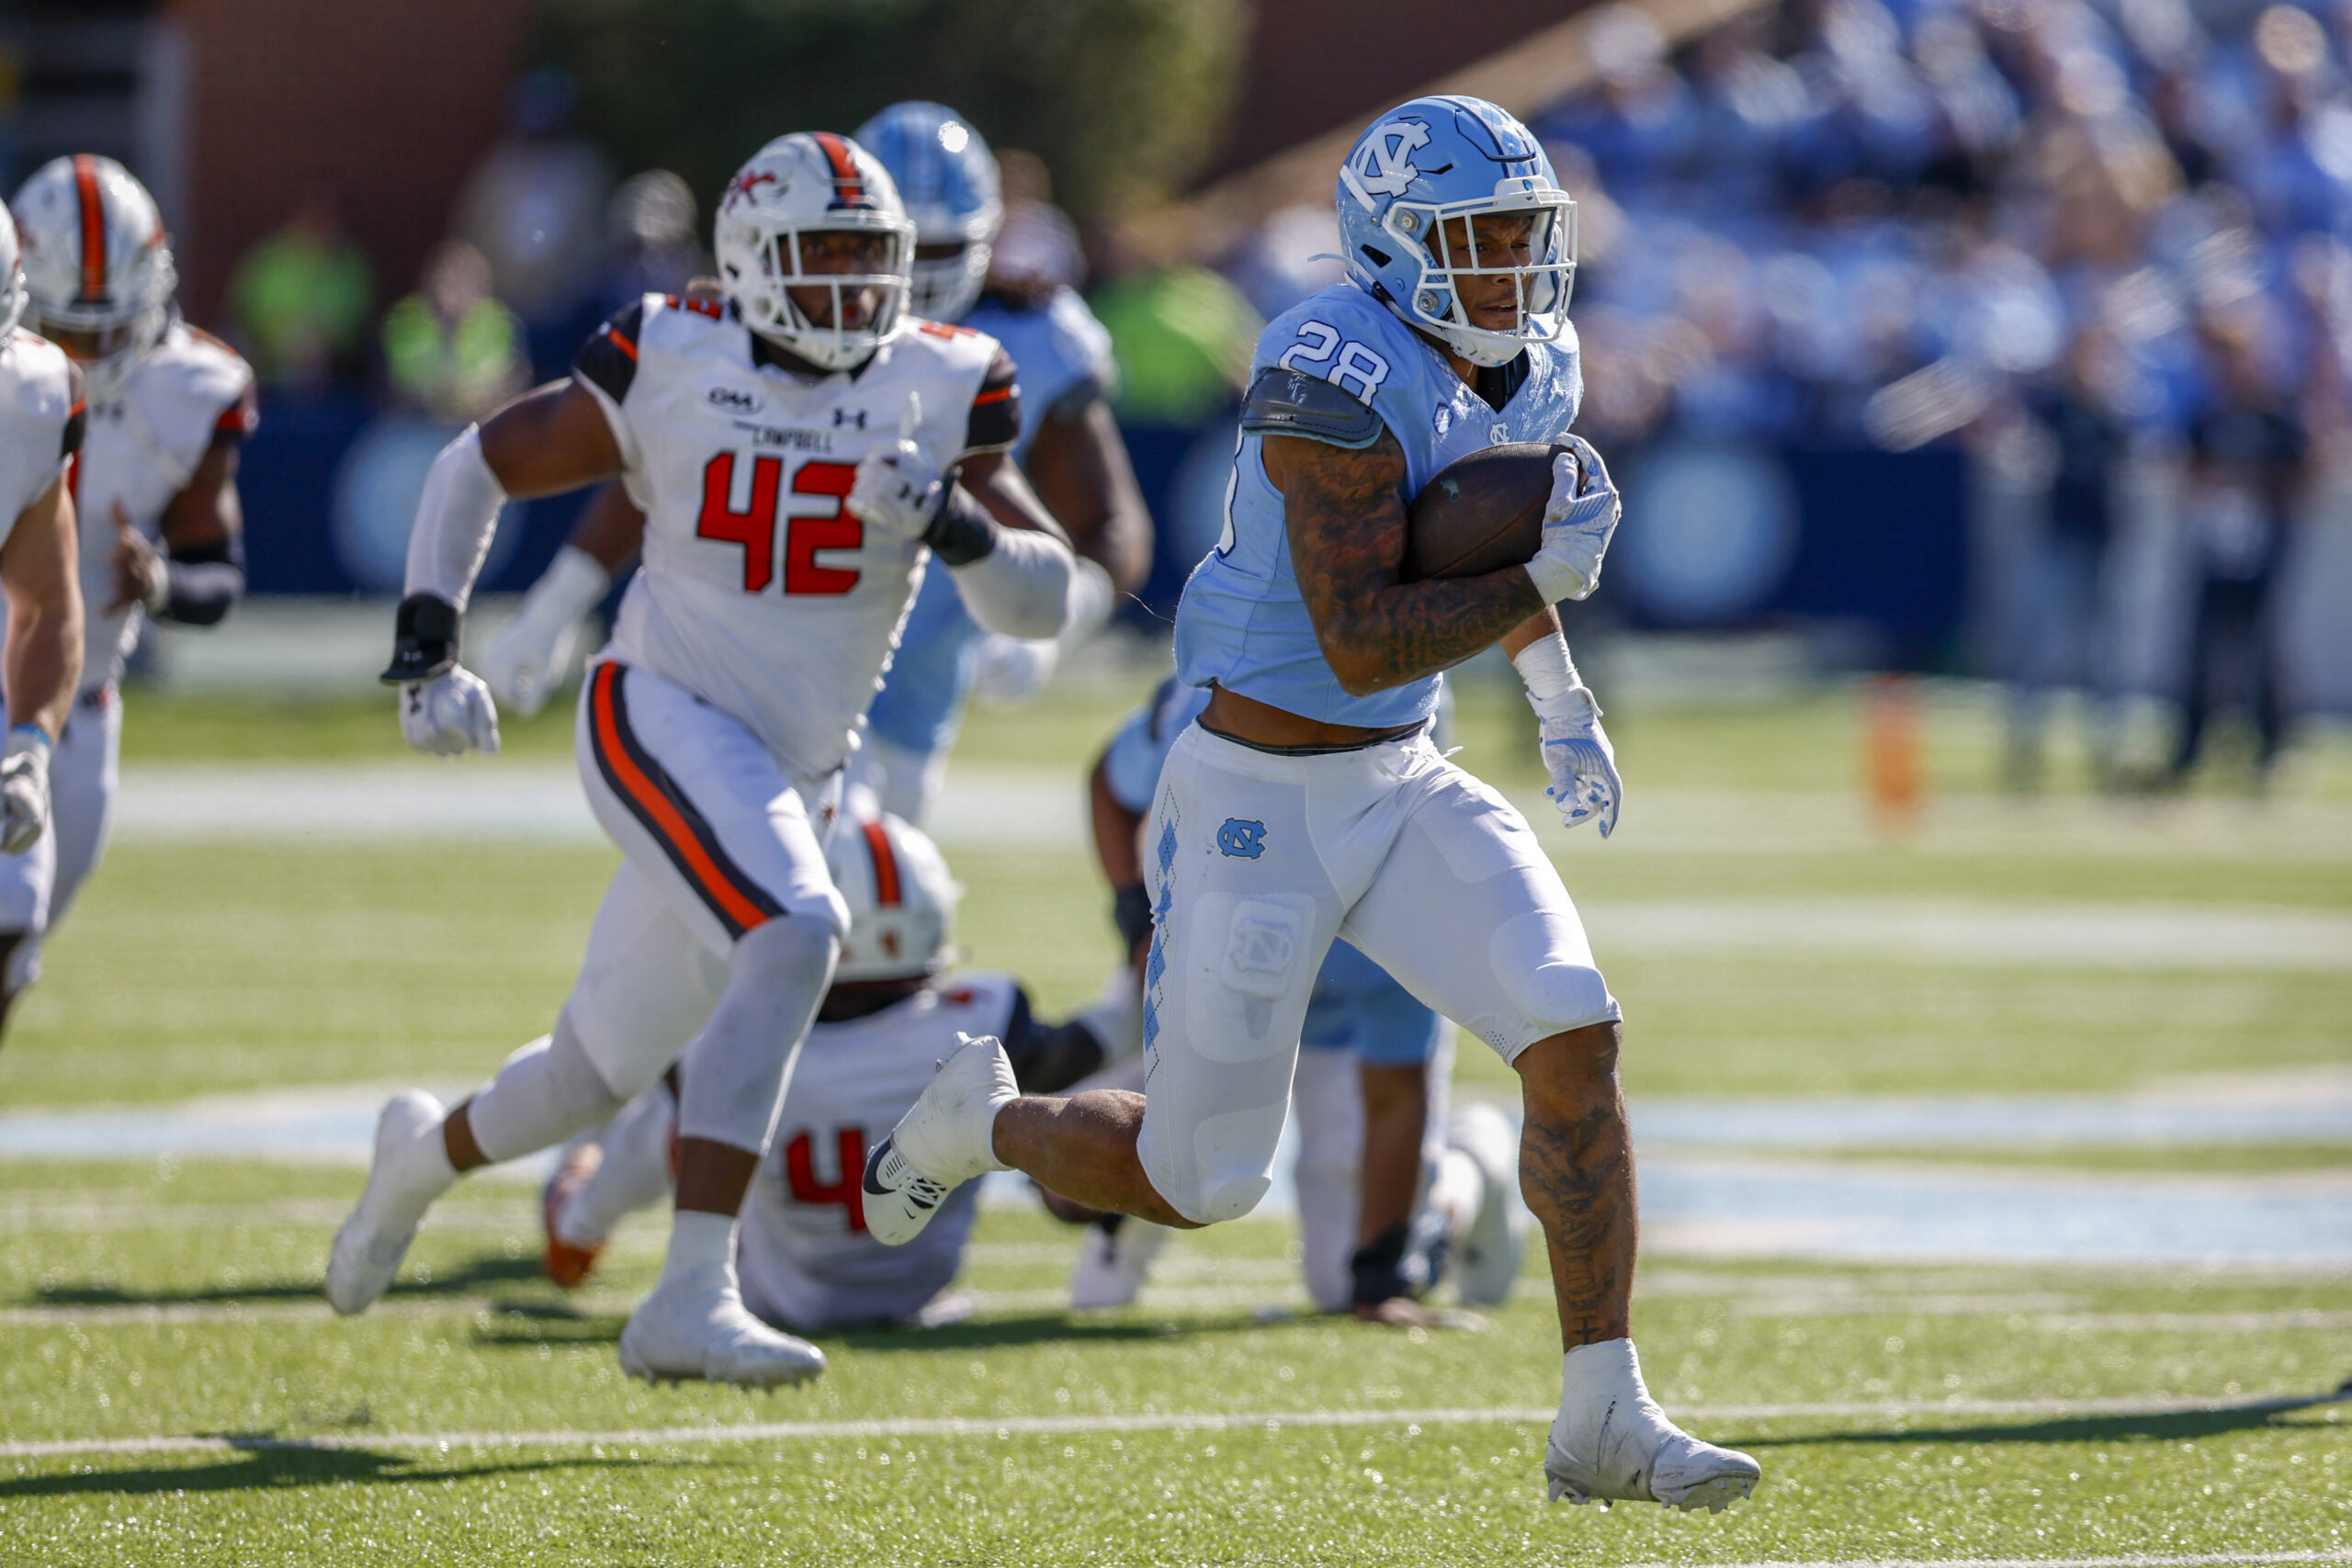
x=1009, y=670
x=1578, y=522
x=527, y=659
x=450, y=715
x=1583, y=764
x=896, y=489
x=24, y=789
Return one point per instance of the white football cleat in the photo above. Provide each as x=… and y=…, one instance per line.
x=944, y=1140
x=1112, y=1263
x=1490, y=1254
x=1614, y=1444
x=410, y=1169
x=694, y=1326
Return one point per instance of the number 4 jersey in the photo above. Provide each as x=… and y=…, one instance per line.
x=804, y=1256
x=760, y=592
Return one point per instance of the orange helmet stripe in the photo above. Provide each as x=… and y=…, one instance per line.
x=94, y=227
x=886, y=865
x=849, y=186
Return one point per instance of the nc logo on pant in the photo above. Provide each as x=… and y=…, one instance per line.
x=1243, y=840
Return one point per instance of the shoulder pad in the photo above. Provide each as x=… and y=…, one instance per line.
x=1291, y=402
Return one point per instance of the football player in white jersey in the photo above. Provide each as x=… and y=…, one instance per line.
x=155, y=492
x=1307, y=804
x=41, y=418
x=1069, y=447
x=805, y=1260
x=804, y=453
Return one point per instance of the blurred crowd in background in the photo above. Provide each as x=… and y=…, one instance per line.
x=2079, y=271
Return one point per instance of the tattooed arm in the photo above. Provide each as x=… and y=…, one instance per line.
x=1344, y=512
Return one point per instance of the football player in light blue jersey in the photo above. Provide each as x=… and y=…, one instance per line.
x=1069, y=447
x=1307, y=803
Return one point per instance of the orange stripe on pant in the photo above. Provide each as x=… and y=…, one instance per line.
x=659, y=814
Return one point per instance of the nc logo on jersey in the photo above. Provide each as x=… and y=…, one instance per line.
x=1380, y=163
x=1242, y=840
x=734, y=399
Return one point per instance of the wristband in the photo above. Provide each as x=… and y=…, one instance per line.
x=424, y=640
x=961, y=531
x=1544, y=665
x=1378, y=1268
x=1131, y=912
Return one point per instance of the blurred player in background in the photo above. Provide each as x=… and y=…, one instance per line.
x=807, y=1262
x=1307, y=803
x=155, y=493
x=804, y=453
x=42, y=419
x=1384, y=1210
x=1068, y=446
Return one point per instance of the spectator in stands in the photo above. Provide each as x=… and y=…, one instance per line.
x=2248, y=448
x=451, y=349
x=2055, y=633
x=535, y=207
x=300, y=295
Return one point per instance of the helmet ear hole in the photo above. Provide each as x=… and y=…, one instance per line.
x=1376, y=255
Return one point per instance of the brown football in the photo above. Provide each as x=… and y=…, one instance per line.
x=1481, y=513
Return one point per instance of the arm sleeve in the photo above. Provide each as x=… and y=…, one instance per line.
x=1022, y=587
x=455, y=519
x=995, y=422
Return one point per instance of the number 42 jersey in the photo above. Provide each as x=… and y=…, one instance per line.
x=759, y=592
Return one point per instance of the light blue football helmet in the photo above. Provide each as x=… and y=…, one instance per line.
x=1434, y=159
x=947, y=177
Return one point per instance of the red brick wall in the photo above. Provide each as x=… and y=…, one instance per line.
x=394, y=99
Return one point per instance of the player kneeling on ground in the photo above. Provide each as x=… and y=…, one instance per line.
x=807, y=1261
x=802, y=453
x=1306, y=803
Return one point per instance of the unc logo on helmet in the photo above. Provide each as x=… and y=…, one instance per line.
x=1410, y=194
x=1241, y=840
x=1379, y=166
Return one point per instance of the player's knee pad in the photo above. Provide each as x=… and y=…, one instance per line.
x=1228, y=1166
x=544, y=1093
x=1544, y=964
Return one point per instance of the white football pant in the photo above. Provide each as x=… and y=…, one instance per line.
x=1256, y=862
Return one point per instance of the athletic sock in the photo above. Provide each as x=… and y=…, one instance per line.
x=698, y=1242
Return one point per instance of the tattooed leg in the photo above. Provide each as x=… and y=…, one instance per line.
x=1575, y=1168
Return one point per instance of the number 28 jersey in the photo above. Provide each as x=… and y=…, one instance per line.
x=759, y=592
x=1242, y=623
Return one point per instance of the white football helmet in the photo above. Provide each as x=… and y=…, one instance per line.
x=947, y=178
x=901, y=899
x=98, y=273
x=797, y=187
x=12, y=278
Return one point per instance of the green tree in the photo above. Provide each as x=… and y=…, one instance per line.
x=1122, y=98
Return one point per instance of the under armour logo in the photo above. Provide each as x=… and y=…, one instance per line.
x=849, y=416
x=1380, y=167
x=1242, y=840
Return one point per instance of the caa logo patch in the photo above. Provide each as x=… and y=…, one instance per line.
x=734, y=399
x=1242, y=840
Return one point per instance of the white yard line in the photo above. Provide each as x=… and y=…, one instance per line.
x=1144, y=1421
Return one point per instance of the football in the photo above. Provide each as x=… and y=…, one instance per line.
x=1481, y=513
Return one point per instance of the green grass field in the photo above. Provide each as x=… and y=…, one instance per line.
x=2031, y=1412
